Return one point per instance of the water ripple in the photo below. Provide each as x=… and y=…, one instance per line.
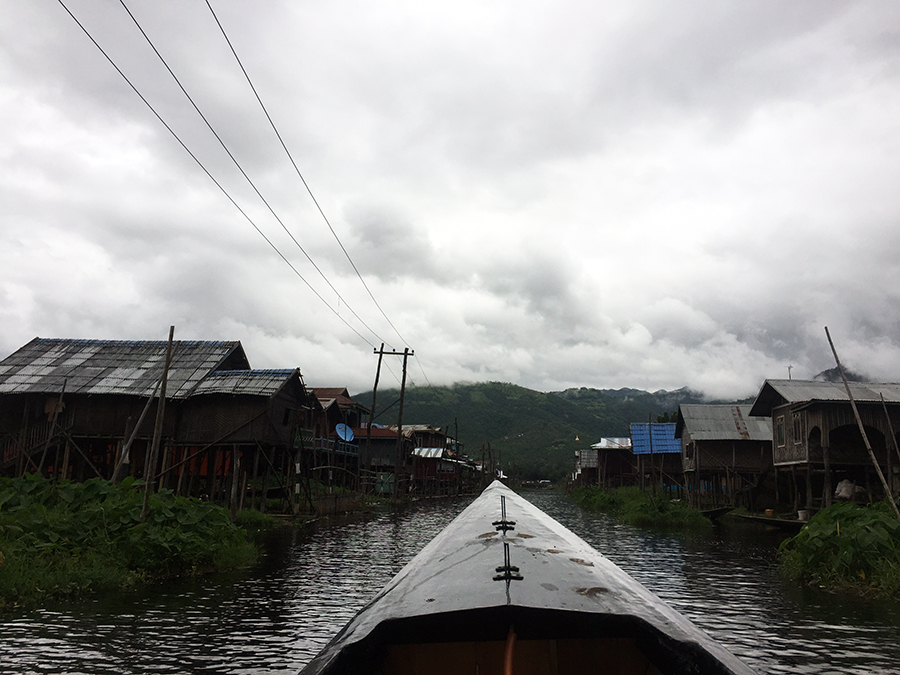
x=275, y=617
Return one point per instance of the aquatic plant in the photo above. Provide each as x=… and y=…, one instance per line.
x=67, y=537
x=638, y=507
x=847, y=545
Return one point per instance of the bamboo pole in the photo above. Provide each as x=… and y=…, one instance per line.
x=50, y=434
x=862, y=430
x=150, y=462
x=123, y=457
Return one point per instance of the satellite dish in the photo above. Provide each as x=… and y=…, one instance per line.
x=344, y=432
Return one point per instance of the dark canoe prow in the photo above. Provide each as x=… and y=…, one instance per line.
x=713, y=514
x=504, y=581
x=788, y=525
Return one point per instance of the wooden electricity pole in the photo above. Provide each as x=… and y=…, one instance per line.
x=380, y=353
x=406, y=354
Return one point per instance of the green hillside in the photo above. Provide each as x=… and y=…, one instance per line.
x=536, y=434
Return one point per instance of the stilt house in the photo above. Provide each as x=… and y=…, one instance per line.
x=336, y=457
x=83, y=408
x=816, y=440
x=725, y=452
x=658, y=455
x=609, y=463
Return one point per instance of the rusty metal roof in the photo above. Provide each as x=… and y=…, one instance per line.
x=114, y=366
x=247, y=382
x=779, y=392
x=722, y=423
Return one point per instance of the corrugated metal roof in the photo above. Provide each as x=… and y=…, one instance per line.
x=612, y=443
x=663, y=438
x=429, y=453
x=328, y=394
x=723, y=423
x=252, y=382
x=113, y=366
x=778, y=392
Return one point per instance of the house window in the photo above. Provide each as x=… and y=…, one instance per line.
x=779, y=431
x=798, y=434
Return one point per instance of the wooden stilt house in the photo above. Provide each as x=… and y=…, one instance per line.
x=658, y=455
x=336, y=452
x=725, y=453
x=609, y=463
x=82, y=408
x=816, y=440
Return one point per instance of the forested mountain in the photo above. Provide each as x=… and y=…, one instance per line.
x=536, y=434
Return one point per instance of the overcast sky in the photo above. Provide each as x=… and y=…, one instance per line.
x=554, y=194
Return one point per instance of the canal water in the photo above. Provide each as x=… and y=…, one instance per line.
x=271, y=619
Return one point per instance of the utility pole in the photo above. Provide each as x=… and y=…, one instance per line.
x=380, y=353
x=406, y=354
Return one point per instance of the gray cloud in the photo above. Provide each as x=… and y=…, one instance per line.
x=557, y=195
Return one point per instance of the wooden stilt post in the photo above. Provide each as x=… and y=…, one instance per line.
x=235, y=481
x=65, y=462
x=253, y=504
x=52, y=431
x=795, y=491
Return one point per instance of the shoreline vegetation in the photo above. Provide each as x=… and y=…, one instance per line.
x=844, y=548
x=847, y=547
x=67, y=538
x=638, y=507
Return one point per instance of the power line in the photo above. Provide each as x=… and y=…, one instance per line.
x=297, y=169
x=207, y=172
x=240, y=168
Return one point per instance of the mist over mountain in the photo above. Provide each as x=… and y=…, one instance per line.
x=834, y=375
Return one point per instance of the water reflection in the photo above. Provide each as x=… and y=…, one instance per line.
x=273, y=618
x=726, y=582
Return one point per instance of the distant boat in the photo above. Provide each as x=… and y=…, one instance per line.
x=505, y=589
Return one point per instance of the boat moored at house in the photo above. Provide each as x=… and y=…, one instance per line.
x=506, y=589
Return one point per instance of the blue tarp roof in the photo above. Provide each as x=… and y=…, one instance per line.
x=663, y=437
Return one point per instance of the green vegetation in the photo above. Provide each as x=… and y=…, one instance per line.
x=60, y=538
x=638, y=507
x=847, y=546
x=536, y=434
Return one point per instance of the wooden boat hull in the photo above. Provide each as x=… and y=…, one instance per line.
x=537, y=598
x=793, y=526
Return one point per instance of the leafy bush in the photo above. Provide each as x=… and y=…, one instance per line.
x=847, y=544
x=637, y=507
x=64, y=537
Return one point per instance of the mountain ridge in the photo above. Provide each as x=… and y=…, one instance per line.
x=535, y=433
